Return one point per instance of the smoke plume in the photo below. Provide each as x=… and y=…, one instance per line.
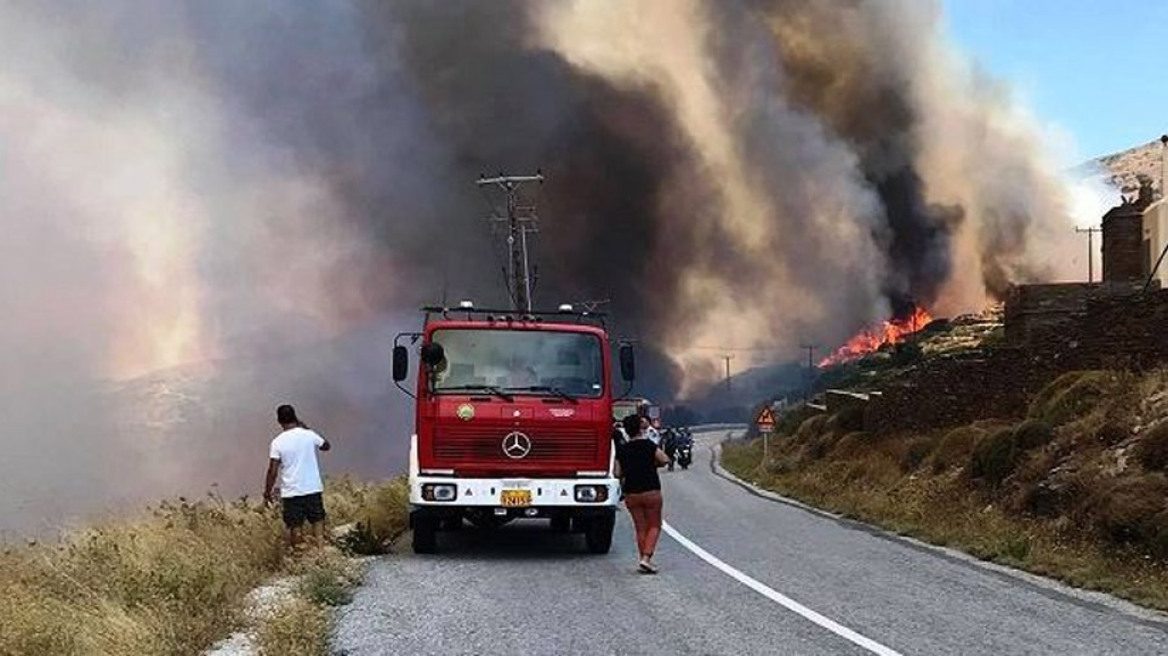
x=230, y=183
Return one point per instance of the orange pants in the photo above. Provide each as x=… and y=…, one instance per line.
x=645, y=507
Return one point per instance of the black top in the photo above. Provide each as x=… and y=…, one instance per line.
x=638, y=461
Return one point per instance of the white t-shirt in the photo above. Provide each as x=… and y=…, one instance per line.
x=653, y=435
x=296, y=448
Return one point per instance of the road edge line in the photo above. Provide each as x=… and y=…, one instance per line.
x=1092, y=599
x=779, y=598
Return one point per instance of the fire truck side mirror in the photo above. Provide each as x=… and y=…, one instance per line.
x=628, y=363
x=401, y=363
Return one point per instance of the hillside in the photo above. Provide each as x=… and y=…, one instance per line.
x=1047, y=451
x=1123, y=169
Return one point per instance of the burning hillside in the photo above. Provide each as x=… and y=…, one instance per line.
x=873, y=339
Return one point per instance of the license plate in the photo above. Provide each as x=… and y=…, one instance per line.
x=515, y=498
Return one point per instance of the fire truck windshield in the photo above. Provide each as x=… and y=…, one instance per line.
x=519, y=362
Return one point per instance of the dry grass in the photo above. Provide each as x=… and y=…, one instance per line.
x=1085, y=502
x=298, y=628
x=169, y=582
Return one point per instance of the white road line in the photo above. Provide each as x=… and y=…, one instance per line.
x=779, y=598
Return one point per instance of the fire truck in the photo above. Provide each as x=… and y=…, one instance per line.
x=513, y=419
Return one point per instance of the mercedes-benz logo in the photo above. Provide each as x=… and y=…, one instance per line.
x=516, y=445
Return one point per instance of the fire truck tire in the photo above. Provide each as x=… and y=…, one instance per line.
x=425, y=535
x=598, y=535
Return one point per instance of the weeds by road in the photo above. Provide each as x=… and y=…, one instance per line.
x=173, y=580
x=1076, y=491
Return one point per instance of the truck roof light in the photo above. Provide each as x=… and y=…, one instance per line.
x=466, y=305
x=566, y=307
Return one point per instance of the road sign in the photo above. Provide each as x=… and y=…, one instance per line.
x=766, y=420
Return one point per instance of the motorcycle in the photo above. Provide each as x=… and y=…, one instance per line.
x=684, y=455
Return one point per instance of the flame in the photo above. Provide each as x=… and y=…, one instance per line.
x=872, y=339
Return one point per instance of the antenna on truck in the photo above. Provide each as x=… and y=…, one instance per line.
x=517, y=218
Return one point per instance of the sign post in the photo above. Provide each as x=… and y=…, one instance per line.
x=766, y=426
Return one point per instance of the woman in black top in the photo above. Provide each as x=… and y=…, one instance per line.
x=636, y=466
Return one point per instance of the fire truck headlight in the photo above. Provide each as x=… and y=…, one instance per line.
x=591, y=493
x=439, y=492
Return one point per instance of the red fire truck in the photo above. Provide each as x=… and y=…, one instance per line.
x=513, y=420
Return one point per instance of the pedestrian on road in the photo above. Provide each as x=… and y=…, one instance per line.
x=636, y=466
x=292, y=457
x=649, y=431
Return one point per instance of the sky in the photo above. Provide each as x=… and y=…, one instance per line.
x=1094, y=69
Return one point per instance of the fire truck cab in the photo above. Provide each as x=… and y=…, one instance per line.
x=513, y=419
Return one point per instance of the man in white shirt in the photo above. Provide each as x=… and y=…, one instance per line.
x=292, y=457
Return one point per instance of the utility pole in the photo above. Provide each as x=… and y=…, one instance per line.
x=591, y=306
x=728, y=358
x=1090, y=250
x=1163, y=198
x=517, y=220
x=810, y=367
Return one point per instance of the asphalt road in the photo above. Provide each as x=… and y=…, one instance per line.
x=740, y=575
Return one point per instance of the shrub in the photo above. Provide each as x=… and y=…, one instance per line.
x=850, y=446
x=811, y=428
x=956, y=447
x=789, y=421
x=916, y=452
x=1033, y=433
x=994, y=457
x=326, y=586
x=1152, y=451
x=1132, y=513
x=1071, y=396
x=850, y=419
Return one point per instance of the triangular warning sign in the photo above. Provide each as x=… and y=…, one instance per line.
x=766, y=417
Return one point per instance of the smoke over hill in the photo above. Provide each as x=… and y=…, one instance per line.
x=212, y=180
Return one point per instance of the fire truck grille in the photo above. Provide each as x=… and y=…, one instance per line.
x=486, y=445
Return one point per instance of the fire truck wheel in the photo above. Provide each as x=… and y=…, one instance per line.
x=599, y=533
x=425, y=535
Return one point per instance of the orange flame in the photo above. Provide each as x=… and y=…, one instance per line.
x=871, y=339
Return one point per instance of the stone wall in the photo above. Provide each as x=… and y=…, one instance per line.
x=1124, y=252
x=1032, y=309
x=1111, y=332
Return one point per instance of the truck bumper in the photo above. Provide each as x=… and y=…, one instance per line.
x=545, y=493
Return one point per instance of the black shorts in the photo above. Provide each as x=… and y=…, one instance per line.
x=308, y=508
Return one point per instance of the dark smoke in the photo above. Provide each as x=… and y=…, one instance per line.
x=244, y=185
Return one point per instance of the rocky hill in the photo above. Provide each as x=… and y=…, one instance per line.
x=1123, y=169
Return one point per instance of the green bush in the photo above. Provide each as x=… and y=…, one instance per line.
x=994, y=457
x=956, y=447
x=326, y=586
x=1033, y=433
x=1072, y=396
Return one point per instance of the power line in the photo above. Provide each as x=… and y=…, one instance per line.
x=518, y=221
x=1091, y=231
